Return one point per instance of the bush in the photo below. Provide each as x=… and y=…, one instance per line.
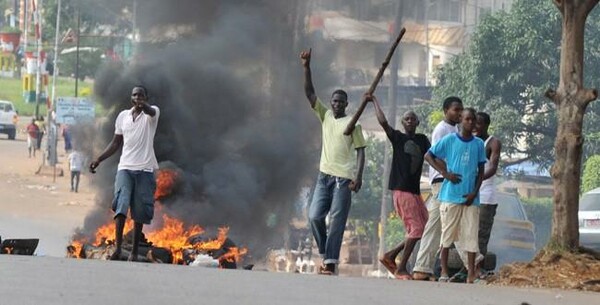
x=591, y=174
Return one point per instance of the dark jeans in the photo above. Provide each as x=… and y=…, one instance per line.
x=75, y=178
x=332, y=196
x=486, y=222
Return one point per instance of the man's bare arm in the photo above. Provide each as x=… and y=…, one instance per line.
x=309, y=89
x=380, y=115
x=356, y=184
x=496, y=147
x=113, y=146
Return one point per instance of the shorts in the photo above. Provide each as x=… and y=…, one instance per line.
x=134, y=192
x=460, y=223
x=412, y=211
x=31, y=142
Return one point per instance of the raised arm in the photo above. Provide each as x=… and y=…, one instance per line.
x=309, y=89
x=146, y=108
x=495, y=146
x=379, y=113
x=112, y=147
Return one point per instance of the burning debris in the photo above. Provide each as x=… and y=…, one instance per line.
x=169, y=242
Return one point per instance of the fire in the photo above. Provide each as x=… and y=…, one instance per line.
x=234, y=255
x=173, y=236
x=215, y=244
x=165, y=182
x=106, y=233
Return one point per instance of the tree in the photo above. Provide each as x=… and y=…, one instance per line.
x=591, y=174
x=510, y=62
x=571, y=99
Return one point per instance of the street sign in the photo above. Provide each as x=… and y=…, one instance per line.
x=71, y=110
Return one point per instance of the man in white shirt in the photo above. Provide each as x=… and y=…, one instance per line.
x=76, y=160
x=135, y=183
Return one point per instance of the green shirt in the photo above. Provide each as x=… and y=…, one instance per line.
x=338, y=156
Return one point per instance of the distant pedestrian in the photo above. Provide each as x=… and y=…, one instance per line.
x=42, y=130
x=32, y=135
x=66, y=133
x=409, y=149
x=76, y=161
x=135, y=183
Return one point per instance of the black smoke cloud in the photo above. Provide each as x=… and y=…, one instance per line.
x=234, y=119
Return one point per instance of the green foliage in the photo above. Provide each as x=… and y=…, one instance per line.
x=89, y=63
x=394, y=231
x=12, y=90
x=512, y=59
x=591, y=174
x=539, y=211
x=10, y=29
x=366, y=204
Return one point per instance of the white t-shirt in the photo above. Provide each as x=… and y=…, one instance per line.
x=138, y=140
x=487, y=191
x=76, y=160
x=440, y=131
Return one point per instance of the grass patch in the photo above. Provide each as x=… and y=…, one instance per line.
x=12, y=90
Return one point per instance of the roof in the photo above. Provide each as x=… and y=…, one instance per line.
x=334, y=26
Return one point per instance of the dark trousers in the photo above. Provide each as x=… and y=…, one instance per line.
x=486, y=222
x=75, y=178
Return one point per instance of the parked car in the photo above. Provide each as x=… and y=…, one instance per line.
x=589, y=219
x=8, y=119
x=513, y=237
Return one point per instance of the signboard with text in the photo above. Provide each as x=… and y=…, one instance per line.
x=71, y=110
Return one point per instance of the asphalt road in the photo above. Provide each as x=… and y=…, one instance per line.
x=48, y=280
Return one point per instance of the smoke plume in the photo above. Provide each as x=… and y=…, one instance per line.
x=234, y=119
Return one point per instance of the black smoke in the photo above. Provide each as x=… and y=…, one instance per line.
x=234, y=119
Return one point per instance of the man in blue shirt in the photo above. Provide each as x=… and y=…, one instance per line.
x=460, y=159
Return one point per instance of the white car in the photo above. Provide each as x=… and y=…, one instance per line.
x=8, y=119
x=589, y=219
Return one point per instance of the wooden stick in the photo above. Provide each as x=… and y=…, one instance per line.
x=374, y=84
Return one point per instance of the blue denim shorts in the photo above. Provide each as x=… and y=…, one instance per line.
x=134, y=192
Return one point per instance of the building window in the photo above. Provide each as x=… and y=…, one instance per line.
x=446, y=10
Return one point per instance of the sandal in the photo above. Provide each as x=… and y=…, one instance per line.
x=404, y=277
x=444, y=279
x=324, y=271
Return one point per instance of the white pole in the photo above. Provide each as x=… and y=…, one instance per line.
x=56, y=39
x=38, y=40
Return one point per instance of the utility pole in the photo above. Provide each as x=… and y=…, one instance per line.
x=392, y=96
x=56, y=40
x=77, y=49
x=38, y=40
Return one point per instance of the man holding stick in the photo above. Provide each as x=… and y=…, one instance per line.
x=336, y=179
x=405, y=179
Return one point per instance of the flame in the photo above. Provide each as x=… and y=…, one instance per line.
x=214, y=244
x=173, y=236
x=106, y=233
x=165, y=182
x=74, y=250
x=234, y=255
